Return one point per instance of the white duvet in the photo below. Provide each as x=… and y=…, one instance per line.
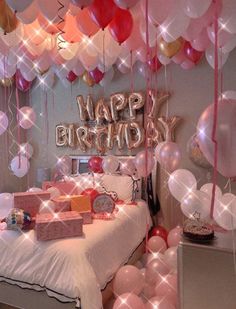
x=74, y=269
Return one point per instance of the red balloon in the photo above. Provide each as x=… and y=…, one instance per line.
x=154, y=64
x=71, y=77
x=95, y=165
x=159, y=231
x=191, y=53
x=121, y=25
x=92, y=193
x=21, y=83
x=102, y=12
x=96, y=75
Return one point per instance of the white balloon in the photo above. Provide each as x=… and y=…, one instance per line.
x=195, y=9
x=20, y=166
x=164, y=60
x=230, y=94
x=3, y=122
x=196, y=202
x=227, y=16
x=53, y=9
x=170, y=257
x=6, y=204
x=78, y=68
x=54, y=192
x=207, y=188
x=225, y=212
x=29, y=14
x=26, y=149
x=230, y=45
x=210, y=56
x=181, y=182
x=19, y=5
x=175, y=24
x=13, y=38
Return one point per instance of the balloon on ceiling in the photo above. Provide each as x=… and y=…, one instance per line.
x=93, y=35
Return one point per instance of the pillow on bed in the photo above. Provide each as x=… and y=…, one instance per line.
x=122, y=185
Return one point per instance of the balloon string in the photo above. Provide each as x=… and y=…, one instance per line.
x=18, y=125
x=131, y=72
x=215, y=115
x=166, y=89
x=60, y=39
x=103, y=59
x=11, y=119
x=46, y=117
x=147, y=84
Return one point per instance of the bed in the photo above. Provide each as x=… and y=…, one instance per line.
x=73, y=272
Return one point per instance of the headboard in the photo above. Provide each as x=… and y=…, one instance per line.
x=80, y=166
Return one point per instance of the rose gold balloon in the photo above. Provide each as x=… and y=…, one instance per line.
x=225, y=136
x=195, y=154
x=88, y=79
x=169, y=125
x=172, y=48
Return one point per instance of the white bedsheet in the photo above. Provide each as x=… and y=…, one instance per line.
x=77, y=268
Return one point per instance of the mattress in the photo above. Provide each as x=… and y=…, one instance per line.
x=74, y=269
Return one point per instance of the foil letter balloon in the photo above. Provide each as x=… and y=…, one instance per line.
x=169, y=125
x=225, y=136
x=102, y=112
x=86, y=110
x=61, y=135
x=138, y=134
x=100, y=136
x=118, y=102
x=154, y=135
x=157, y=100
x=115, y=133
x=83, y=138
x=136, y=101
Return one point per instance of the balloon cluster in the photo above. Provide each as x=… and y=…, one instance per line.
x=183, y=186
x=142, y=164
x=152, y=282
x=95, y=35
x=20, y=164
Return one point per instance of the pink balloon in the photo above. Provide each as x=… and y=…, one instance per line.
x=170, y=256
x=156, y=244
x=128, y=279
x=3, y=122
x=187, y=64
x=21, y=83
x=225, y=136
x=29, y=14
x=174, y=236
x=158, y=10
x=19, y=6
x=166, y=287
x=26, y=117
x=155, y=268
x=125, y=4
x=148, y=291
x=85, y=23
x=222, y=36
x=50, y=9
x=20, y=166
x=128, y=301
x=159, y=302
x=63, y=166
x=127, y=167
x=179, y=57
x=144, y=163
x=201, y=42
x=170, y=156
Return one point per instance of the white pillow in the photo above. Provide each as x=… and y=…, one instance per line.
x=122, y=185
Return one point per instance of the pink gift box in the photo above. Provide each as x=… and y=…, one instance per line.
x=65, y=187
x=87, y=217
x=30, y=201
x=62, y=204
x=58, y=225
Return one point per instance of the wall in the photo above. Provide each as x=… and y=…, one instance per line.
x=191, y=92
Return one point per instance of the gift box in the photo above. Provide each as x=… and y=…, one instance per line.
x=62, y=204
x=80, y=203
x=87, y=217
x=65, y=187
x=58, y=225
x=30, y=201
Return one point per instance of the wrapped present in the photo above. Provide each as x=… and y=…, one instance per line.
x=87, y=217
x=58, y=225
x=80, y=203
x=30, y=201
x=62, y=203
x=65, y=187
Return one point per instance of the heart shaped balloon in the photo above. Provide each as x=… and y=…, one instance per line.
x=225, y=136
